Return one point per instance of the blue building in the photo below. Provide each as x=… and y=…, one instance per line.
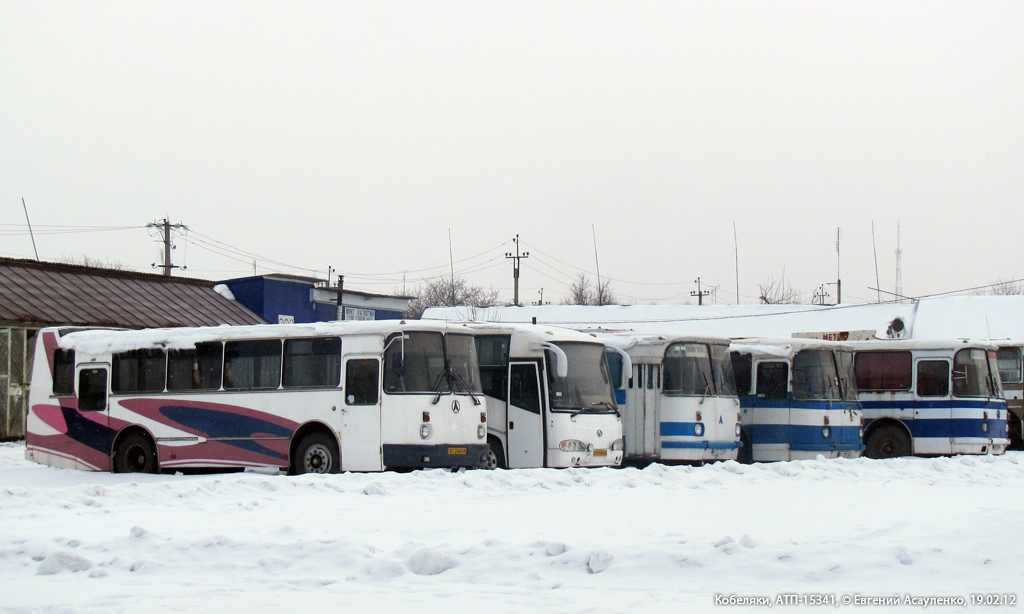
x=286, y=299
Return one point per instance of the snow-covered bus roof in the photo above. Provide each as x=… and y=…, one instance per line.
x=709, y=320
x=103, y=341
x=651, y=345
x=783, y=348
x=919, y=344
x=550, y=333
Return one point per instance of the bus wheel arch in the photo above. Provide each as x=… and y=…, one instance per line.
x=888, y=439
x=495, y=454
x=134, y=451
x=314, y=449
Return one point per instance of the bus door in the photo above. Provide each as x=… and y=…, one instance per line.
x=90, y=426
x=360, y=416
x=933, y=423
x=770, y=433
x=525, y=415
x=641, y=423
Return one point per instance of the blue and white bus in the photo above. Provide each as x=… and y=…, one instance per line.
x=798, y=399
x=930, y=398
x=679, y=400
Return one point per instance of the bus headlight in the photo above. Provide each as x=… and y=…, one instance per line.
x=825, y=432
x=425, y=431
x=480, y=432
x=984, y=427
x=860, y=433
x=739, y=429
x=698, y=429
x=572, y=445
x=617, y=444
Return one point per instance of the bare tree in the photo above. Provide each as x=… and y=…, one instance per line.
x=579, y=291
x=582, y=293
x=1006, y=287
x=449, y=292
x=777, y=292
x=603, y=293
x=96, y=263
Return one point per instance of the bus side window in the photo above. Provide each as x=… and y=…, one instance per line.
x=932, y=378
x=772, y=380
x=64, y=373
x=743, y=370
x=362, y=377
x=92, y=389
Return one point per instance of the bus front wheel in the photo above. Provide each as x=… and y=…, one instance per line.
x=317, y=453
x=888, y=441
x=135, y=454
x=495, y=456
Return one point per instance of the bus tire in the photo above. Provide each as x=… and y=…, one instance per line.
x=317, y=453
x=745, y=454
x=136, y=453
x=495, y=456
x=888, y=441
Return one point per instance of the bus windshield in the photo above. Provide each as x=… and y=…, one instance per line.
x=814, y=376
x=971, y=375
x=847, y=376
x=463, y=361
x=587, y=386
x=688, y=370
x=414, y=362
x=724, y=375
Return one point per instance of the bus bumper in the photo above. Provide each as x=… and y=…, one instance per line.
x=429, y=456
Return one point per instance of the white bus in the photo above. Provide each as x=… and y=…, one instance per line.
x=679, y=400
x=930, y=397
x=799, y=399
x=1011, y=375
x=549, y=397
x=319, y=398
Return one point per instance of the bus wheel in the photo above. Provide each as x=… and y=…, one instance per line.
x=135, y=454
x=745, y=454
x=495, y=456
x=317, y=453
x=888, y=441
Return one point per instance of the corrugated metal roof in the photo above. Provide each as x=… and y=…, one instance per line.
x=47, y=293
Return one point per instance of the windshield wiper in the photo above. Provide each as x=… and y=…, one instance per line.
x=436, y=388
x=461, y=383
x=707, y=388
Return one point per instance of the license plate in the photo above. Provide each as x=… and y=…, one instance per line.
x=600, y=452
x=461, y=451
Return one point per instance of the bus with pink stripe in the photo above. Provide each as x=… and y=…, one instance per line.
x=302, y=398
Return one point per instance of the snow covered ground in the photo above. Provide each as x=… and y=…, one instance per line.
x=658, y=539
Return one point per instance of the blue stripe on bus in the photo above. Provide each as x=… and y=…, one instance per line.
x=679, y=429
x=994, y=404
x=956, y=428
x=749, y=403
x=713, y=445
x=806, y=437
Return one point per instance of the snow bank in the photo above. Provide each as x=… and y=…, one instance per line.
x=658, y=539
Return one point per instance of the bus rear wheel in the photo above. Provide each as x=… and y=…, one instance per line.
x=888, y=441
x=135, y=454
x=317, y=453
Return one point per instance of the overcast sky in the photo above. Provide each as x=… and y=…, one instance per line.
x=362, y=135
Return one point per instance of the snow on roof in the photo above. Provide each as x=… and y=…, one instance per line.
x=974, y=317
x=102, y=341
x=709, y=320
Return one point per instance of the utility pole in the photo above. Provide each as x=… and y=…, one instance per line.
x=341, y=286
x=166, y=226
x=699, y=294
x=515, y=268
